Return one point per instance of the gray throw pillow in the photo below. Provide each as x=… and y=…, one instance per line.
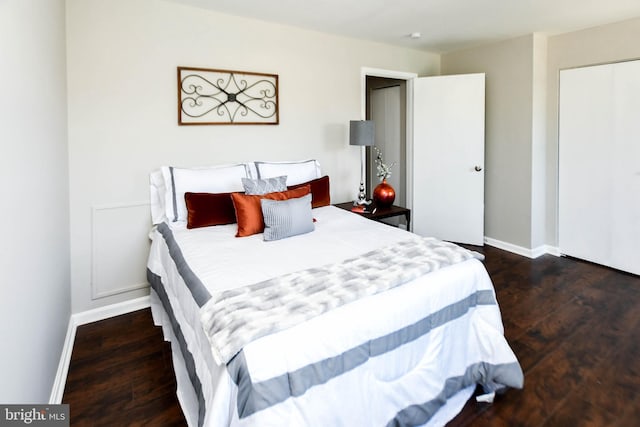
x=286, y=218
x=264, y=186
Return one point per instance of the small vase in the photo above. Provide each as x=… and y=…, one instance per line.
x=384, y=194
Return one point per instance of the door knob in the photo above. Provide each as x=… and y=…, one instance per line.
x=478, y=168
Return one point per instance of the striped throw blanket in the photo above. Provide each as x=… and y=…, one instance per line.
x=234, y=318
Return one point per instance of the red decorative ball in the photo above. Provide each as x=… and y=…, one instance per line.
x=384, y=194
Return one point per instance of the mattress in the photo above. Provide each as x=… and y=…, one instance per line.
x=410, y=355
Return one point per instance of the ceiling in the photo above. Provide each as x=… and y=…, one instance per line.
x=445, y=25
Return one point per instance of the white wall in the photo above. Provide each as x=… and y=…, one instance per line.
x=122, y=59
x=539, y=141
x=522, y=121
x=34, y=255
x=508, y=66
x=608, y=43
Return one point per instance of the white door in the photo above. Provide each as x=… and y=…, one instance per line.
x=448, y=158
x=599, y=164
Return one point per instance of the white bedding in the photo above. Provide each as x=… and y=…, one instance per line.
x=374, y=391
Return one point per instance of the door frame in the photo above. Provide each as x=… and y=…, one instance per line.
x=399, y=75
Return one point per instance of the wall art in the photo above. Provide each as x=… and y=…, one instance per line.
x=224, y=97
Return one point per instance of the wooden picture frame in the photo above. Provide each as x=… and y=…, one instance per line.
x=225, y=97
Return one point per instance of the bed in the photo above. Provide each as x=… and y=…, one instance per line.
x=347, y=323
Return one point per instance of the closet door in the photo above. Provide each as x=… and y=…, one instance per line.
x=599, y=164
x=626, y=168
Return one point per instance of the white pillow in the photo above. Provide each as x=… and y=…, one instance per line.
x=264, y=186
x=157, y=195
x=177, y=181
x=296, y=172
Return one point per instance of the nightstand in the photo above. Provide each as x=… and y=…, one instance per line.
x=379, y=213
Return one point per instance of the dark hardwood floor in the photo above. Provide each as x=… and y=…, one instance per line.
x=574, y=326
x=121, y=374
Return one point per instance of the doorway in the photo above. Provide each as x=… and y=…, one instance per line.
x=447, y=142
x=386, y=105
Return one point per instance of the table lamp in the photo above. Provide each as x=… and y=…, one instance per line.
x=361, y=132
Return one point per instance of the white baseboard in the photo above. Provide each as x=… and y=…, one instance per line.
x=83, y=318
x=552, y=250
x=63, y=366
x=112, y=310
x=519, y=250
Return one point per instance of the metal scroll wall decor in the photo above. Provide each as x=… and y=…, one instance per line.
x=223, y=97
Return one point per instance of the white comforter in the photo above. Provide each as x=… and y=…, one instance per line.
x=391, y=358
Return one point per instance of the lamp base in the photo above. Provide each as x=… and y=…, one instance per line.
x=362, y=198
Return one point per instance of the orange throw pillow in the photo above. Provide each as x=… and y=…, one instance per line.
x=249, y=211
